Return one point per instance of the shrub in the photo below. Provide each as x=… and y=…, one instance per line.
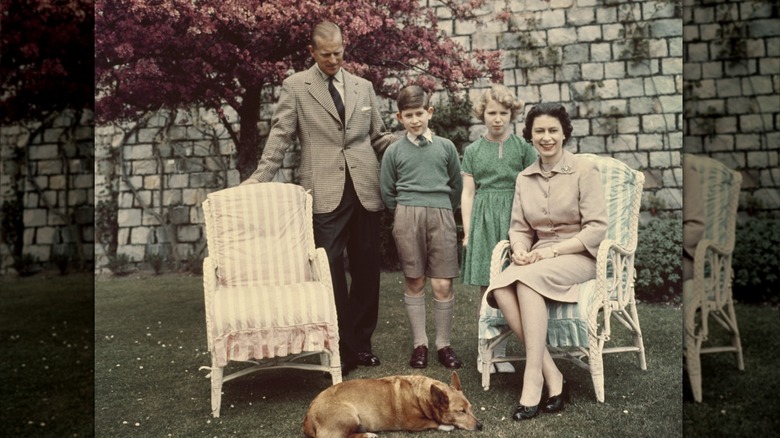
x=26, y=265
x=756, y=259
x=61, y=260
x=119, y=264
x=659, y=260
x=156, y=261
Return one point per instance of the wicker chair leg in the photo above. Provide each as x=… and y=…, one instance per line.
x=693, y=365
x=485, y=352
x=735, y=340
x=596, y=364
x=638, y=341
x=216, y=389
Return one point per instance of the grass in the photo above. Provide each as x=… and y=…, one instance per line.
x=739, y=403
x=150, y=341
x=46, y=327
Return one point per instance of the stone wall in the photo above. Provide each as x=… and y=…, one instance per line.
x=49, y=169
x=617, y=66
x=732, y=94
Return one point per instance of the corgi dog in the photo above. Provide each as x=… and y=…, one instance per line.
x=356, y=408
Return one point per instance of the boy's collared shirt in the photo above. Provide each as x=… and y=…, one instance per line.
x=427, y=134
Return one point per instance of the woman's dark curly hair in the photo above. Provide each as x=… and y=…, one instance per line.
x=549, y=109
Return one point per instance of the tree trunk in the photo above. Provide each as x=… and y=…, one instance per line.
x=248, y=147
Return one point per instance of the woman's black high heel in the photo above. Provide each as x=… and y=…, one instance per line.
x=556, y=402
x=524, y=412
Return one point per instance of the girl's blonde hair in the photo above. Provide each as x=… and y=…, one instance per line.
x=501, y=94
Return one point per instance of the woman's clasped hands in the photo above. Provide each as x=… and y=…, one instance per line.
x=521, y=257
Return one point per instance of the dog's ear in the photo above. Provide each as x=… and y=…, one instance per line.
x=455, y=381
x=440, y=398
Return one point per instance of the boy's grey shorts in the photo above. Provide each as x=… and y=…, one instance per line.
x=426, y=239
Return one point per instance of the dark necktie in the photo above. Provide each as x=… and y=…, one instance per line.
x=421, y=140
x=334, y=93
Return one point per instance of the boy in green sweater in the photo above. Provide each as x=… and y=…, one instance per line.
x=420, y=181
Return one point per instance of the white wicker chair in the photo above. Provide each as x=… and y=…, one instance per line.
x=585, y=327
x=268, y=292
x=708, y=294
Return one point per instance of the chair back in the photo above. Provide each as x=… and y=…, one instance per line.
x=260, y=234
x=720, y=192
x=623, y=192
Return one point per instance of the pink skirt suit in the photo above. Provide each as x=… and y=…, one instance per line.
x=546, y=211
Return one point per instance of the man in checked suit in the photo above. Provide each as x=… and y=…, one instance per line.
x=334, y=116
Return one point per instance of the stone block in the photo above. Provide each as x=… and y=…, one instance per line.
x=134, y=252
x=755, y=122
x=129, y=217
x=174, y=197
x=139, y=235
x=615, y=70
x=672, y=66
x=645, y=68
x=138, y=152
x=151, y=182
x=621, y=143
x=589, y=33
x=658, y=48
x=612, y=32
x=632, y=87
x=202, y=179
x=666, y=28
x=580, y=16
x=719, y=143
x=606, y=15
x=52, y=135
x=178, y=181
x=653, y=179
x=600, y=52
x=83, y=181
x=45, y=152
x=698, y=52
x=550, y=93
x=45, y=235
x=593, y=71
x=634, y=160
x=34, y=217
x=593, y=145
x=179, y=215
x=628, y=125
x=188, y=233
x=575, y=53
x=149, y=219
x=144, y=167
x=758, y=159
x=658, y=123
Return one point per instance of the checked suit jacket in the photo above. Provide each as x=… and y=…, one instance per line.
x=306, y=110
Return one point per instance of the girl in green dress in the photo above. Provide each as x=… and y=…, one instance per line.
x=490, y=168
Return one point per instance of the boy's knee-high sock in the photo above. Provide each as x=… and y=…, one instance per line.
x=415, y=308
x=443, y=312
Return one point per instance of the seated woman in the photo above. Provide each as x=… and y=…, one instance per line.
x=558, y=220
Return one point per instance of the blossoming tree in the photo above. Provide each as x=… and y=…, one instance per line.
x=156, y=54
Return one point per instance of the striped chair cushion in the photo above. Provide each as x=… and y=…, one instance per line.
x=259, y=235
x=567, y=322
x=719, y=183
x=280, y=321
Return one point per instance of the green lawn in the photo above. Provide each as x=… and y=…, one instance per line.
x=739, y=403
x=150, y=341
x=46, y=329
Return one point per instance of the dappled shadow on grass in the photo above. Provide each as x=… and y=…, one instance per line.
x=739, y=403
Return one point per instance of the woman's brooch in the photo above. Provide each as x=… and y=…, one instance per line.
x=566, y=168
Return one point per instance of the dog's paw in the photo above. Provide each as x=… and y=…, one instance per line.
x=446, y=427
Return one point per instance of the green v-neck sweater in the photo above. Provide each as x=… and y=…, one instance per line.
x=427, y=176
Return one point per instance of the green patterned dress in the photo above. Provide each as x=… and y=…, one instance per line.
x=494, y=167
